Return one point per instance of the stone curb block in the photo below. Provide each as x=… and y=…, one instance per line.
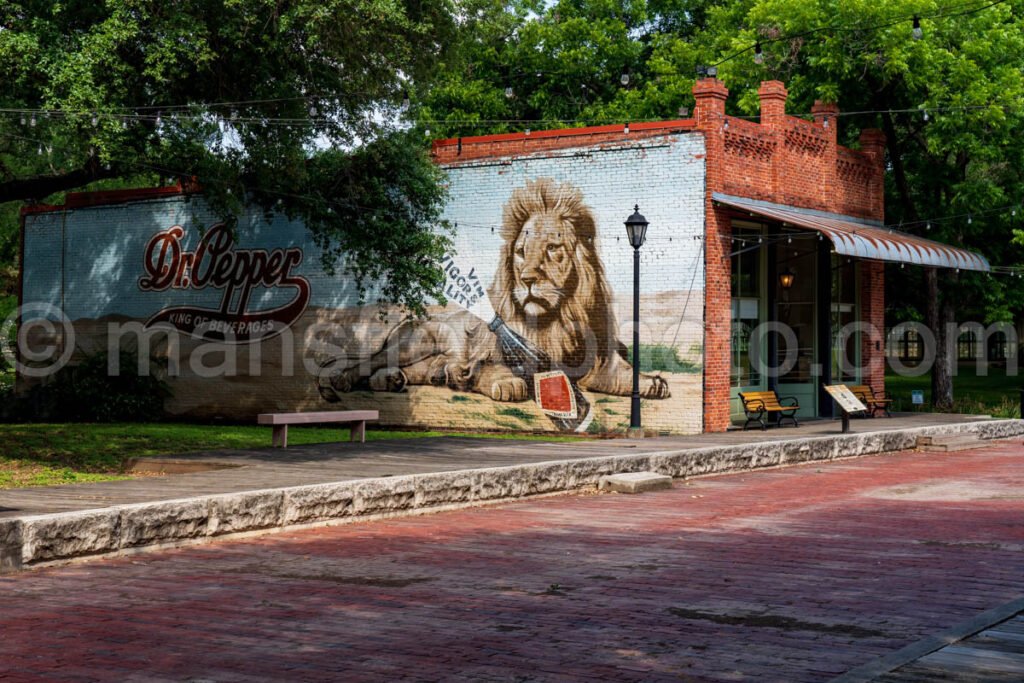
x=57, y=537
x=10, y=545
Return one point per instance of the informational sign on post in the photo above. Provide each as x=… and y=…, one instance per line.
x=847, y=402
x=917, y=397
x=845, y=398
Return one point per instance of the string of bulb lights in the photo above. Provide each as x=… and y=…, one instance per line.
x=29, y=118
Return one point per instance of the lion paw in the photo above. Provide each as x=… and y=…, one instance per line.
x=388, y=379
x=334, y=381
x=509, y=389
x=657, y=387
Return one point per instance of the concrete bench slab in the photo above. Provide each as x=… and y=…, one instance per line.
x=280, y=422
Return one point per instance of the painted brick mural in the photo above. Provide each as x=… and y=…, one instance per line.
x=534, y=336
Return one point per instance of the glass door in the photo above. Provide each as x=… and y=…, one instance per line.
x=795, y=347
x=748, y=312
x=845, y=338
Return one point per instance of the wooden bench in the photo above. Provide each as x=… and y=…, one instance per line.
x=280, y=422
x=874, y=401
x=760, y=404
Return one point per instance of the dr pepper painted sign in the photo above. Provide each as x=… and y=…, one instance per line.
x=217, y=264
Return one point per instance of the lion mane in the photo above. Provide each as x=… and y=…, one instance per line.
x=580, y=333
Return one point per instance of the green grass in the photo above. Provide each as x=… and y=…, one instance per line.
x=996, y=394
x=49, y=454
x=517, y=413
x=663, y=358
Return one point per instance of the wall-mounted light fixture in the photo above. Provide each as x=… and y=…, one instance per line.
x=786, y=278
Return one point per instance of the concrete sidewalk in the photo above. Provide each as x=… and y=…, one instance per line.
x=258, y=490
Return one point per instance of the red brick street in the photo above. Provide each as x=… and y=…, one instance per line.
x=795, y=574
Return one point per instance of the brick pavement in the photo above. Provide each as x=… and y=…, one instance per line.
x=795, y=574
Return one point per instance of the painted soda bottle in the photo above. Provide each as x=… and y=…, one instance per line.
x=557, y=395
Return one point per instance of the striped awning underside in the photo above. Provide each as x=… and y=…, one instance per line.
x=851, y=237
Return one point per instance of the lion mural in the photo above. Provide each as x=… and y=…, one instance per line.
x=550, y=288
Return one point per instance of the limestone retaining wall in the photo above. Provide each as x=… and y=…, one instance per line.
x=40, y=540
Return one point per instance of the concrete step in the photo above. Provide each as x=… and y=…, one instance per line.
x=635, y=482
x=948, y=443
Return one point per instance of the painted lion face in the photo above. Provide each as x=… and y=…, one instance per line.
x=550, y=285
x=543, y=265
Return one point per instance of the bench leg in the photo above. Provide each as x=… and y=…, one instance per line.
x=759, y=421
x=280, y=436
x=358, y=432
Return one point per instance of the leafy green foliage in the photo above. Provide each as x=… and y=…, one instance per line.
x=396, y=200
x=89, y=392
x=564, y=62
x=242, y=97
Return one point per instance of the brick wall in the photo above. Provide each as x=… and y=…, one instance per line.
x=786, y=160
x=454, y=151
x=872, y=309
x=710, y=115
x=660, y=168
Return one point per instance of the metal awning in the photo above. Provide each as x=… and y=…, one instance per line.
x=861, y=238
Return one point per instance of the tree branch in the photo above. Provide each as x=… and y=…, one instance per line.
x=38, y=187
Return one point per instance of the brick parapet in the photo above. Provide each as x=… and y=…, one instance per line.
x=453, y=152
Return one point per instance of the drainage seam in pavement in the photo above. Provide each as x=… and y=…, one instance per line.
x=926, y=646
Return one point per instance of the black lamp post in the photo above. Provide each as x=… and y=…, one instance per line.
x=636, y=229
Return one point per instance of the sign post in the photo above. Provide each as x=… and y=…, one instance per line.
x=847, y=402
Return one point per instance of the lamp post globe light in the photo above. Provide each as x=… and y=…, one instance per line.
x=636, y=230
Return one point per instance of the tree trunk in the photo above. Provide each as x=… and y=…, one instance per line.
x=936, y=316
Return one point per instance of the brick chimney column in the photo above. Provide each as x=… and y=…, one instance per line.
x=710, y=94
x=709, y=113
x=826, y=115
x=872, y=143
x=773, y=103
x=773, y=121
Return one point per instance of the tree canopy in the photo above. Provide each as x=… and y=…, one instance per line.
x=290, y=104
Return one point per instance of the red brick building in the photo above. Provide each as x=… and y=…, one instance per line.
x=780, y=197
